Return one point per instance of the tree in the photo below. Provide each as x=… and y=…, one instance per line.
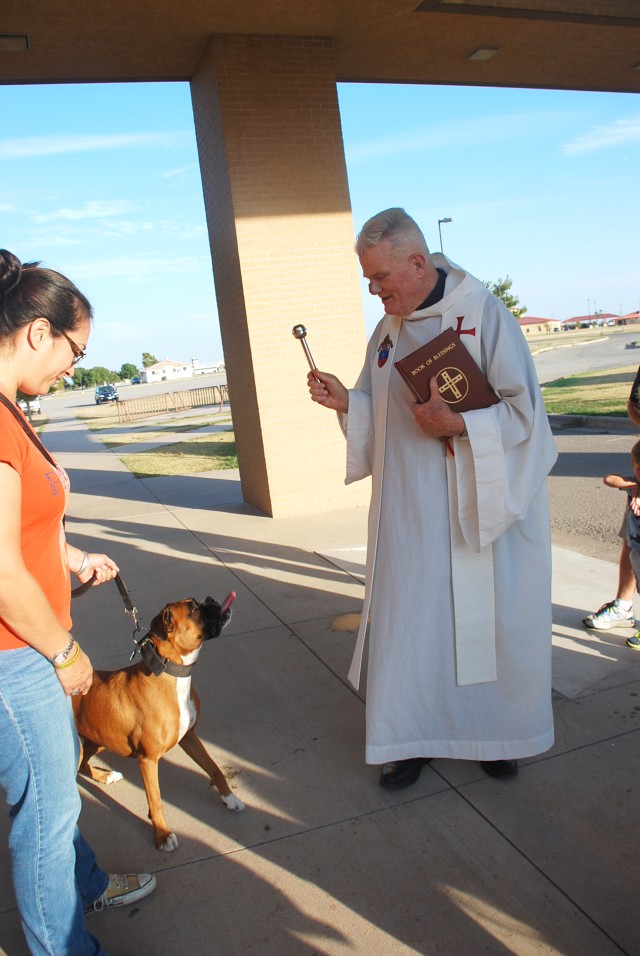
x=102, y=375
x=128, y=370
x=148, y=359
x=90, y=377
x=83, y=378
x=502, y=290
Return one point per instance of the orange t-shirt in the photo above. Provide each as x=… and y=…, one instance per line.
x=45, y=492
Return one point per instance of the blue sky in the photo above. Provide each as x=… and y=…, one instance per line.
x=102, y=183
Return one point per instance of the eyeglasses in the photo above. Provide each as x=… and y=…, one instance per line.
x=78, y=353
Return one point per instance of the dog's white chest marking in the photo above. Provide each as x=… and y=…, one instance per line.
x=185, y=704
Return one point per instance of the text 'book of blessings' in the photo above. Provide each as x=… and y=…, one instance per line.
x=461, y=383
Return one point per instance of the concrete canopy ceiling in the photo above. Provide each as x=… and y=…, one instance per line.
x=562, y=44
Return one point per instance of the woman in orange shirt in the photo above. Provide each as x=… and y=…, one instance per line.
x=44, y=328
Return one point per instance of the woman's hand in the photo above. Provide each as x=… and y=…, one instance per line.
x=328, y=390
x=100, y=567
x=78, y=677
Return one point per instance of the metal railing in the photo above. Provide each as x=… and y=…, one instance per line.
x=166, y=402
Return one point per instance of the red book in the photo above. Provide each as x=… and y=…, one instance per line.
x=461, y=382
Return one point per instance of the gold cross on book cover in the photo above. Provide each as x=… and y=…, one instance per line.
x=461, y=383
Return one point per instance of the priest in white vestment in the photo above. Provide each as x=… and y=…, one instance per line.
x=458, y=581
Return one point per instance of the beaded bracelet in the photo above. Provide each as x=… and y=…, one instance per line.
x=71, y=660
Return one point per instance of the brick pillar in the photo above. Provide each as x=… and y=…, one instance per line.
x=281, y=233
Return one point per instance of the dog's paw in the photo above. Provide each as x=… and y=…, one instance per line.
x=170, y=844
x=113, y=777
x=232, y=802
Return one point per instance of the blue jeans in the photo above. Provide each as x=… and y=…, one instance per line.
x=54, y=869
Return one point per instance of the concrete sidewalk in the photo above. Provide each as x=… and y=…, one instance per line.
x=324, y=861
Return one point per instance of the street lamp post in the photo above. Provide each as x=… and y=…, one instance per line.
x=440, y=221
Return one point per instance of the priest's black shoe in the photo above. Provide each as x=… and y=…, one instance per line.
x=402, y=773
x=500, y=768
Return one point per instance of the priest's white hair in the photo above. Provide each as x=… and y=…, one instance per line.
x=393, y=224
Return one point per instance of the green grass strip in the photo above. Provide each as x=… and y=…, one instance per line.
x=592, y=393
x=205, y=453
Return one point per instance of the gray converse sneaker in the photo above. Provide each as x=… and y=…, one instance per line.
x=123, y=888
x=612, y=614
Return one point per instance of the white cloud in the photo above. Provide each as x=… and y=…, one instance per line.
x=170, y=173
x=119, y=228
x=141, y=269
x=37, y=146
x=619, y=133
x=122, y=227
x=466, y=133
x=192, y=232
x=93, y=209
x=51, y=241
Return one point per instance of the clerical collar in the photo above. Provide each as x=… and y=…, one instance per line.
x=436, y=293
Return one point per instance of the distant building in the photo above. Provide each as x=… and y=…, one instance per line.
x=591, y=321
x=166, y=371
x=206, y=368
x=531, y=325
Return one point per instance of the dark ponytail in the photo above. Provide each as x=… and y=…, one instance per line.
x=29, y=292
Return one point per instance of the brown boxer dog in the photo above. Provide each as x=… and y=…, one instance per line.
x=144, y=710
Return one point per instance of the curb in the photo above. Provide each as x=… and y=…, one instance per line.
x=606, y=423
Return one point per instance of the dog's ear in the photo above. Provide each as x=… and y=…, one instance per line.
x=162, y=624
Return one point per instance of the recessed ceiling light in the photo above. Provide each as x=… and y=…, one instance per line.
x=483, y=53
x=13, y=43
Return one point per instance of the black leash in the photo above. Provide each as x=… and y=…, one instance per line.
x=129, y=607
x=144, y=646
x=82, y=588
x=124, y=594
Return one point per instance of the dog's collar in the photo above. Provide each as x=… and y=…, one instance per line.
x=158, y=664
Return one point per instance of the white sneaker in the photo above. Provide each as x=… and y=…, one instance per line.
x=612, y=614
x=123, y=888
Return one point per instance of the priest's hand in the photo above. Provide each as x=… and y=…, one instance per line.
x=328, y=390
x=436, y=418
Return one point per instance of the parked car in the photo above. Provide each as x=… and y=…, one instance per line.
x=136, y=380
x=31, y=405
x=105, y=393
